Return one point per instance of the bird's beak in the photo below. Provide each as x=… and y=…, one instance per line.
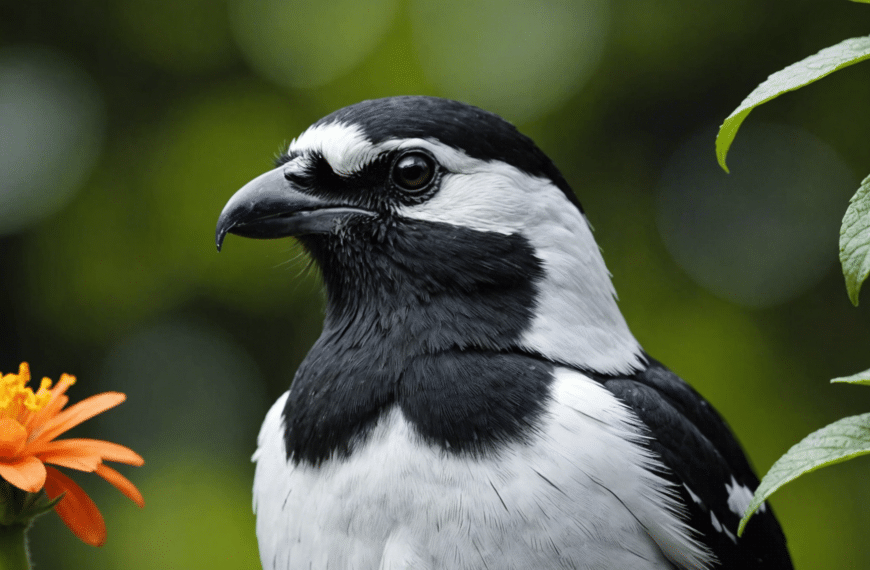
x=270, y=206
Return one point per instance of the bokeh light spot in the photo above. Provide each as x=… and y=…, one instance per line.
x=139, y=239
x=308, y=44
x=52, y=119
x=191, y=499
x=768, y=231
x=519, y=58
x=191, y=385
x=187, y=36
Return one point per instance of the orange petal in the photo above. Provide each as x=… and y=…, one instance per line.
x=75, y=447
x=78, y=413
x=76, y=509
x=54, y=405
x=13, y=436
x=38, y=419
x=121, y=483
x=26, y=473
x=87, y=463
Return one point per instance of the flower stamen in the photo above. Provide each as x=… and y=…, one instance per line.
x=17, y=400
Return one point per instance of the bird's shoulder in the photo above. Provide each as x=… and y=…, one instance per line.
x=704, y=460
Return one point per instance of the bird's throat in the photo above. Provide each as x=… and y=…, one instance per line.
x=408, y=313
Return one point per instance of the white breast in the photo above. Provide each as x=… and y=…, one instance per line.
x=578, y=495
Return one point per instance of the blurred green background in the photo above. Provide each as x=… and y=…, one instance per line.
x=126, y=125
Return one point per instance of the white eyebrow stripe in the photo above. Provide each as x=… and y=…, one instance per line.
x=348, y=151
x=345, y=147
x=297, y=165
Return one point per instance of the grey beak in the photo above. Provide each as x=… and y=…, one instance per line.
x=270, y=207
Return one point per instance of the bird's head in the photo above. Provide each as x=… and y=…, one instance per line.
x=442, y=223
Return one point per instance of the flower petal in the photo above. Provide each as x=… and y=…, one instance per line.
x=38, y=419
x=26, y=473
x=121, y=483
x=78, y=413
x=87, y=463
x=76, y=447
x=54, y=405
x=13, y=436
x=76, y=509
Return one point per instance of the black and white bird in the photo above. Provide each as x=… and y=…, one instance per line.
x=476, y=399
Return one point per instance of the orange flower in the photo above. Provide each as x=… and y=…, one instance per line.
x=29, y=423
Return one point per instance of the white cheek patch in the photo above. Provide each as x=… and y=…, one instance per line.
x=483, y=201
x=345, y=147
x=489, y=195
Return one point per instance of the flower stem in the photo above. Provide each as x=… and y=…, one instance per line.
x=13, y=548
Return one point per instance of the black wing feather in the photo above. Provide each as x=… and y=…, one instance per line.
x=704, y=459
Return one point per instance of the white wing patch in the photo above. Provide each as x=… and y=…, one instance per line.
x=694, y=497
x=720, y=528
x=739, y=497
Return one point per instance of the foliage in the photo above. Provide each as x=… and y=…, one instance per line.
x=860, y=378
x=855, y=241
x=854, y=234
x=834, y=443
x=792, y=77
x=848, y=437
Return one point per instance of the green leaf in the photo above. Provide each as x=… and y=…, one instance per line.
x=835, y=443
x=865, y=1
x=855, y=241
x=792, y=77
x=860, y=378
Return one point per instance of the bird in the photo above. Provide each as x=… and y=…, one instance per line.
x=476, y=399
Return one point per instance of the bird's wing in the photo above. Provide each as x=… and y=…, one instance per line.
x=704, y=460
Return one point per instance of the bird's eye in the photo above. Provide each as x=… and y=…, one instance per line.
x=414, y=171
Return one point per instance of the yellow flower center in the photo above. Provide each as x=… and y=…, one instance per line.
x=16, y=396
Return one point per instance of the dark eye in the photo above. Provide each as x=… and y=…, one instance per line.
x=414, y=171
